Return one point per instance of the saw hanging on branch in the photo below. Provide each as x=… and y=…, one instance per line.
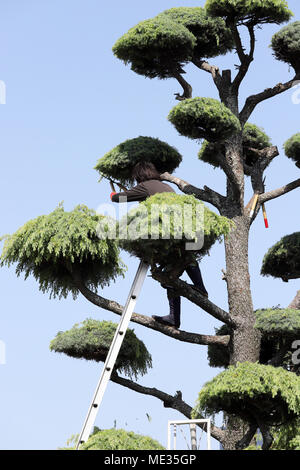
x=264, y=207
x=265, y=216
x=254, y=204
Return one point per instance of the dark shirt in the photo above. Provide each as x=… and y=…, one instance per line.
x=143, y=190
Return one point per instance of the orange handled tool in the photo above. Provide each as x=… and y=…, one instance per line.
x=265, y=216
x=253, y=205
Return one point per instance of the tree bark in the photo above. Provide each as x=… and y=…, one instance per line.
x=245, y=344
x=245, y=341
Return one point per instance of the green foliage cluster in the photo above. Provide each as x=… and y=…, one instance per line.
x=91, y=340
x=49, y=246
x=218, y=355
x=286, y=45
x=250, y=11
x=278, y=327
x=287, y=437
x=292, y=145
x=254, y=137
x=157, y=47
x=119, y=439
x=284, y=322
x=119, y=162
x=204, y=118
x=160, y=46
x=250, y=389
x=212, y=36
x=283, y=259
x=158, y=229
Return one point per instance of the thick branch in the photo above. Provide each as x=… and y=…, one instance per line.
x=212, y=69
x=187, y=291
x=253, y=100
x=265, y=156
x=206, y=194
x=278, y=192
x=264, y=159
x=169, y=401
x=187, y=89
x=238, y=43
x=146, y=321
x=245, y=59
x=247, y=438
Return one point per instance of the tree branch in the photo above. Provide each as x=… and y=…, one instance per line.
x=245, y=59
x=212, y=69
x=144, y=320
x=169, y=401
x=253, y=100
x=278, y=192
x=187, y=291
x=247, y=438
x=265, y=157
x=206, y=194
x=187, y=89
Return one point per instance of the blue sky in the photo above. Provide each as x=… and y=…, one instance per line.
x=69, y=101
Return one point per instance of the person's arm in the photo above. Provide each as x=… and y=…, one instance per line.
x=138, y=193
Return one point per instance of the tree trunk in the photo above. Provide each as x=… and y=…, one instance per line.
x=245, y=342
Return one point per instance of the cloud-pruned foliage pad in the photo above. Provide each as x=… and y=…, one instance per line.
x=157, y=47
x=118, y=163
x=292, y=148
x=254, y=137
x=119, y=439
x=91, y=340
x=172, y=207
x=49, y=246
x=250, y=11
x=283, y=259
x=212, y=36
x=250, y=389
x=204, y=118
x=286, y=45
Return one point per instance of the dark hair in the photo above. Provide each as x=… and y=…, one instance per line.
x=144, y=171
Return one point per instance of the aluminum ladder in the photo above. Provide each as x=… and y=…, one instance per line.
x=113, y=353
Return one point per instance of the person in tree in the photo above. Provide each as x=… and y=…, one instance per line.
x=149, y=183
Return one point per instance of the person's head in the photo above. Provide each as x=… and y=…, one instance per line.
x=144, y=171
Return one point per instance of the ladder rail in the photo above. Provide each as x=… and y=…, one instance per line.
x=113, y=353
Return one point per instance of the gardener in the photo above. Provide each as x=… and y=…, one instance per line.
x=149, y=183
